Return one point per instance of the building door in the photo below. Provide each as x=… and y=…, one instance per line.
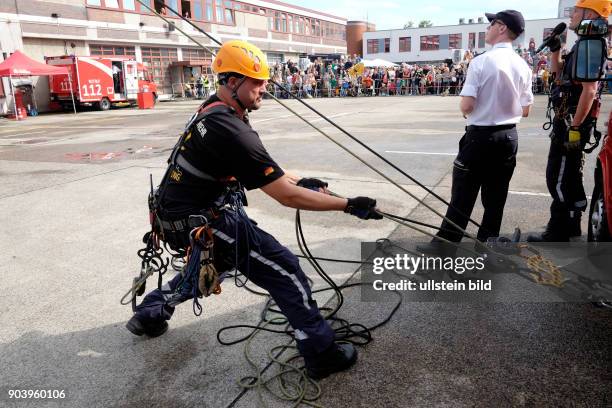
x=158, y=61
x=131, y=79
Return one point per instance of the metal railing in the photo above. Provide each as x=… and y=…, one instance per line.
x=396, y=87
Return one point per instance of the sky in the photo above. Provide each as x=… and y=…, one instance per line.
x=389, y=14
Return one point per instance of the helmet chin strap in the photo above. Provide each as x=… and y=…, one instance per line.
x=235, y=94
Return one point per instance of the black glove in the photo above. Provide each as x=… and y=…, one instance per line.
x=312, y=184
x=363, y=207
x=555, y=44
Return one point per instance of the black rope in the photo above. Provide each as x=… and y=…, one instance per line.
x=324, y=117
x=355, y=333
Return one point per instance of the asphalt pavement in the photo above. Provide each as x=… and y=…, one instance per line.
x=73, y=209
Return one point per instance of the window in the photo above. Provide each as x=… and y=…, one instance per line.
x=158, y=61
x=159, y=6
x=379, y=45
x=196, y=54
x=133, y=5
x=454, y=40
x=209, y=11
x=372, y=46
x=568, y=11
x=481, y=40
x=430, y=42
x=1, y=88
x=129, y=5
x=186, y=9
x=248, y=8
x=274, y=58
x=472, y=41
x=111, y=50
x=405, y=44
x=228, y=12
x=197, y=10
x=290, y=23
x=219, y=11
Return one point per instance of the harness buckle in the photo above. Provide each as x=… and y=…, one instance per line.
x=197, y=220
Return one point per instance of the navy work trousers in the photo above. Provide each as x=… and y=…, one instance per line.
x=564, y=179
x=268, y=264
x=485, y=163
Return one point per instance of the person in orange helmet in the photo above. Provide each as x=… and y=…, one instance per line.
x=576, y=108
x=219, y=157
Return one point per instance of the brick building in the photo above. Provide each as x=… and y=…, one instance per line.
x=123, y=27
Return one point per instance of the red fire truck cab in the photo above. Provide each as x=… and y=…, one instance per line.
x=100, y=81
x=600, y=214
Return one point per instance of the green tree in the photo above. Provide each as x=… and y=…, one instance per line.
x=425, y=24
x=409, y=24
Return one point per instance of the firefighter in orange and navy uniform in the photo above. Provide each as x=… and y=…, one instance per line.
x=218, y=158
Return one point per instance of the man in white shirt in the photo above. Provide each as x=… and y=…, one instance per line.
x=496, y=94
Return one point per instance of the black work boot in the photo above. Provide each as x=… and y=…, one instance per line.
x=550, y=235
x=557, y=230
x=152, y=329
x=437, y=248
x=338, y=357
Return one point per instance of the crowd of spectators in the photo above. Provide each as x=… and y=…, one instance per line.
x=339, y=78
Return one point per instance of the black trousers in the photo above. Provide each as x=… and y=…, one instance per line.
x=564, y=178
x=270, y=266
x=485, y=163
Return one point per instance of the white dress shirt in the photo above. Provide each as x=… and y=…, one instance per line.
x=500, y=80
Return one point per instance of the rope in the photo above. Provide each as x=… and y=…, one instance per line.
x=395, y=167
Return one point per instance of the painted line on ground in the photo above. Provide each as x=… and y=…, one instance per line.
x=269, y=119
x=529, y=193
x=423, y=153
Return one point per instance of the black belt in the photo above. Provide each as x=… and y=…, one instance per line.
x=193, y=221
x=490, y=128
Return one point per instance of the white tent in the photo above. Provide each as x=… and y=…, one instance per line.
x=378, y=63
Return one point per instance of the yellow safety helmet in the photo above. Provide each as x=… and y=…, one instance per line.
x=242, y=58
x=602, y=7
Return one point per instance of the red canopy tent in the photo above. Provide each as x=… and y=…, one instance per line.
x=19, y=64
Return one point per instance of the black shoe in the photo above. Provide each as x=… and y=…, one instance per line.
x=152, y=329
x=338, y=357
x=548, y=236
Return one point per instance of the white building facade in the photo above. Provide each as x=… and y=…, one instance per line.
x=435, y=44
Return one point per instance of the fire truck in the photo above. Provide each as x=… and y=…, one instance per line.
x=600, y=214
x=99, y=81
